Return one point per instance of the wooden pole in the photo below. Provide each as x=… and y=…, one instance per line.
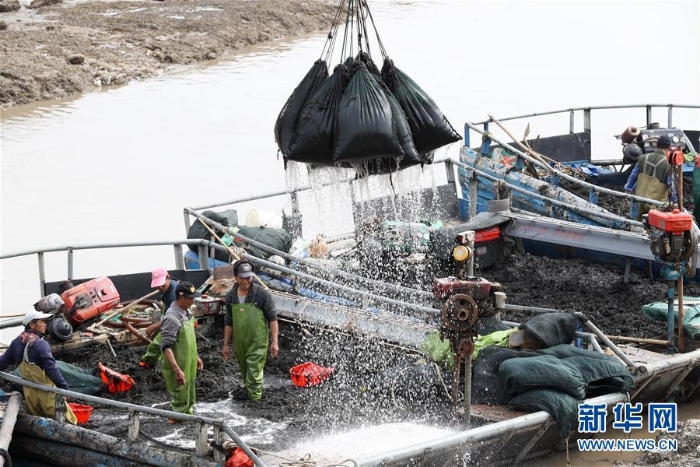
x=531, y=152
x=136, y=333
x=18, y=315
x=230, y=250
x=125, y=309
x=639, y=340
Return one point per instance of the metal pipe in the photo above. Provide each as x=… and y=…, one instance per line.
x=42, y=272
x=96, y=246
x=680, y=314
x=8, y=422
x=403, y=305
x=670, y=295
x=9, y=323
x=272, y=194
x=464, y=439
x=70, y=264
x=595, y=344
x=352, y=291
x=586, y=322
x=467, y=404
x=536, y=309
x=602, y=215
x=179, y=258
x=600, y=107
x=563, y=175
x=571, y=121
x=136, y=408
x=389, y=287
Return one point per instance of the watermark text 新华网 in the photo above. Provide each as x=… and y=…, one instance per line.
x=592, y=418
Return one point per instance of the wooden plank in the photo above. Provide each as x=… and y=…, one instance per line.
x=83, y=339
x=494, y=413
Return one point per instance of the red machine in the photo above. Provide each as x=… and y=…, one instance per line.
x=90, y=299
x=476, y=287
x=671, y=235
x=675, y=221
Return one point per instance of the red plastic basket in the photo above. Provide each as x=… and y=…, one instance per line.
x=82, y=412
x=309, y=374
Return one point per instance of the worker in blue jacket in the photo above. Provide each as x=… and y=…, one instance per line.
x=652, y=176
x=37, y=364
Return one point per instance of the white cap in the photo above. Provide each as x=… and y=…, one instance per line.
x=32, y=315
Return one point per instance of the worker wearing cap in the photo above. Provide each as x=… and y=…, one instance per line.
x=37, y=364
x=652, y=176
x=179, y=346
x=161, y=280
x=249, y=312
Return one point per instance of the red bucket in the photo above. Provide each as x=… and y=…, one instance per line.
x=82, y=412
x=309, y=374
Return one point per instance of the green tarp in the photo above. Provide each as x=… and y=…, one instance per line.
x=691, y=314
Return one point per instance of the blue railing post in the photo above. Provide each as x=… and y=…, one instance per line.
x=593, y=196
x=485, y=142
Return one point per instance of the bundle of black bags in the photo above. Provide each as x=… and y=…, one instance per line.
x=360, y=117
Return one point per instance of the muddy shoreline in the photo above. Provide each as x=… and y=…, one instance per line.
x=75, y=46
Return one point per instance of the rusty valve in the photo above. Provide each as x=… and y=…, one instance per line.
x=459, y=313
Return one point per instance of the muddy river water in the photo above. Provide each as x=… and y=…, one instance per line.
x=120, y=165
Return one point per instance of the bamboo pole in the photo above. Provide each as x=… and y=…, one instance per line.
x=640, y=340
x=533, y=153
x=230, y=250
x=18, y=315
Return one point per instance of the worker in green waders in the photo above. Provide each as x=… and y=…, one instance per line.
x=161, y=280
x=179, y=346
x=250, y=319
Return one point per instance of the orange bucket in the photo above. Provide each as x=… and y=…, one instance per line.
x=82, y=412
x=309, y=374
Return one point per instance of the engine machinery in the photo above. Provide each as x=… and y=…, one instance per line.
x=671, y=237
x=467, y=299
x=673, y=243
x=637, y=141
x=90, y=299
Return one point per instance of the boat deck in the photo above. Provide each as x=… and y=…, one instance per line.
x=494, y=413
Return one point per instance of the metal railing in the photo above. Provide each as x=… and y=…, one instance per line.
x=555, y=173
x=587, y=112
x=201, y=442
x=202, y=246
